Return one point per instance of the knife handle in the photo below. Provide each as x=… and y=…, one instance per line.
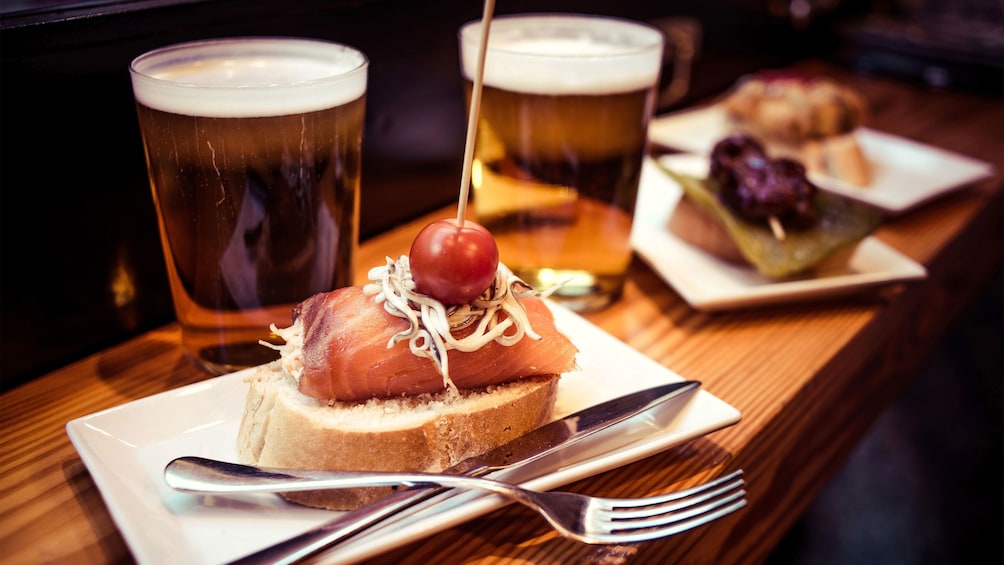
x=340, y=529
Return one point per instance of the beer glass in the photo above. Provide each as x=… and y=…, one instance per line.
x=253, y=149
x=561, y=137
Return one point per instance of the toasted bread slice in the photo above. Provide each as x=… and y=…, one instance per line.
x=429, y=432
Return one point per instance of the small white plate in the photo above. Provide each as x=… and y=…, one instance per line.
x=708, y=283
x=904, y=173
x=126, y=448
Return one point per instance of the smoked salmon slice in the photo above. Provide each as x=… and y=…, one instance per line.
x=345, y=354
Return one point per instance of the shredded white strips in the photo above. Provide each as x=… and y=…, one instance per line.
x=290, y=352
x=432, y=325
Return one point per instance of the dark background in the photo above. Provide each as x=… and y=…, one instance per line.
x=81, y=262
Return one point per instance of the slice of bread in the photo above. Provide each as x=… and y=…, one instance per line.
x=283, y=428
x=696, y=227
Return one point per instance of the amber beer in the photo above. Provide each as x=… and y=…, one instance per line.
x=561, y=138
x=253, y=150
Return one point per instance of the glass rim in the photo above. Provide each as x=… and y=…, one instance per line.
x=654, y=38
x=160, y=57
x=249, y=76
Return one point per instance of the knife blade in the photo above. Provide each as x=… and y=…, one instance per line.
x=517, y=453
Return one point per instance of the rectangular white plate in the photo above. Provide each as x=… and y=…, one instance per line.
x=904, y=173
x=708, y=283
x=126, y=448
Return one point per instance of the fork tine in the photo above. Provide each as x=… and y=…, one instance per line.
x=677, y=495
x=654, y=518
x=632, y=536
x=668, y=518
x=657, y=507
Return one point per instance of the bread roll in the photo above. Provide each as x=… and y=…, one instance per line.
x=843, y=158
x=810, y=120
x=283, y=428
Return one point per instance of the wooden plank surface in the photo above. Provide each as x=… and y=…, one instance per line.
x=809, y=379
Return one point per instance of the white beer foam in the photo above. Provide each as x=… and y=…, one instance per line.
x=251, y=77
x=557, y=54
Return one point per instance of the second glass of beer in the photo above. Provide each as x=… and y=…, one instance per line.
x=562, y=134
x=253, y=148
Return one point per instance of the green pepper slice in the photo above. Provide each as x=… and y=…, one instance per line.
x=841, y=222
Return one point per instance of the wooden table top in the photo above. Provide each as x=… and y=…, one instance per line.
x=809, y=379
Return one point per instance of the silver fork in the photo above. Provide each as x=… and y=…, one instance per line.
x=583, y=518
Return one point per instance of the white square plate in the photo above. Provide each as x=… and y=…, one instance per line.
x=904, y=173
x=126, y=448
x=708, y=283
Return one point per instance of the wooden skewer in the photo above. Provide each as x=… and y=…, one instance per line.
x=472, y=119
x=776, y=227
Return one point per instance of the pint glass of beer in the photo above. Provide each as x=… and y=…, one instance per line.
x=561, y=137
x=253, y=148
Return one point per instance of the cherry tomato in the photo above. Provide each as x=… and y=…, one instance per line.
x=453, y=264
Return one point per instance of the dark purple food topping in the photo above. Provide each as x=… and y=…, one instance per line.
x=758, y=187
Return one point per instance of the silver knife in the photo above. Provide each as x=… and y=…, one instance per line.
x=517, y=453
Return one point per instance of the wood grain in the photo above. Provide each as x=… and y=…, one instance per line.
x=809, y=379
